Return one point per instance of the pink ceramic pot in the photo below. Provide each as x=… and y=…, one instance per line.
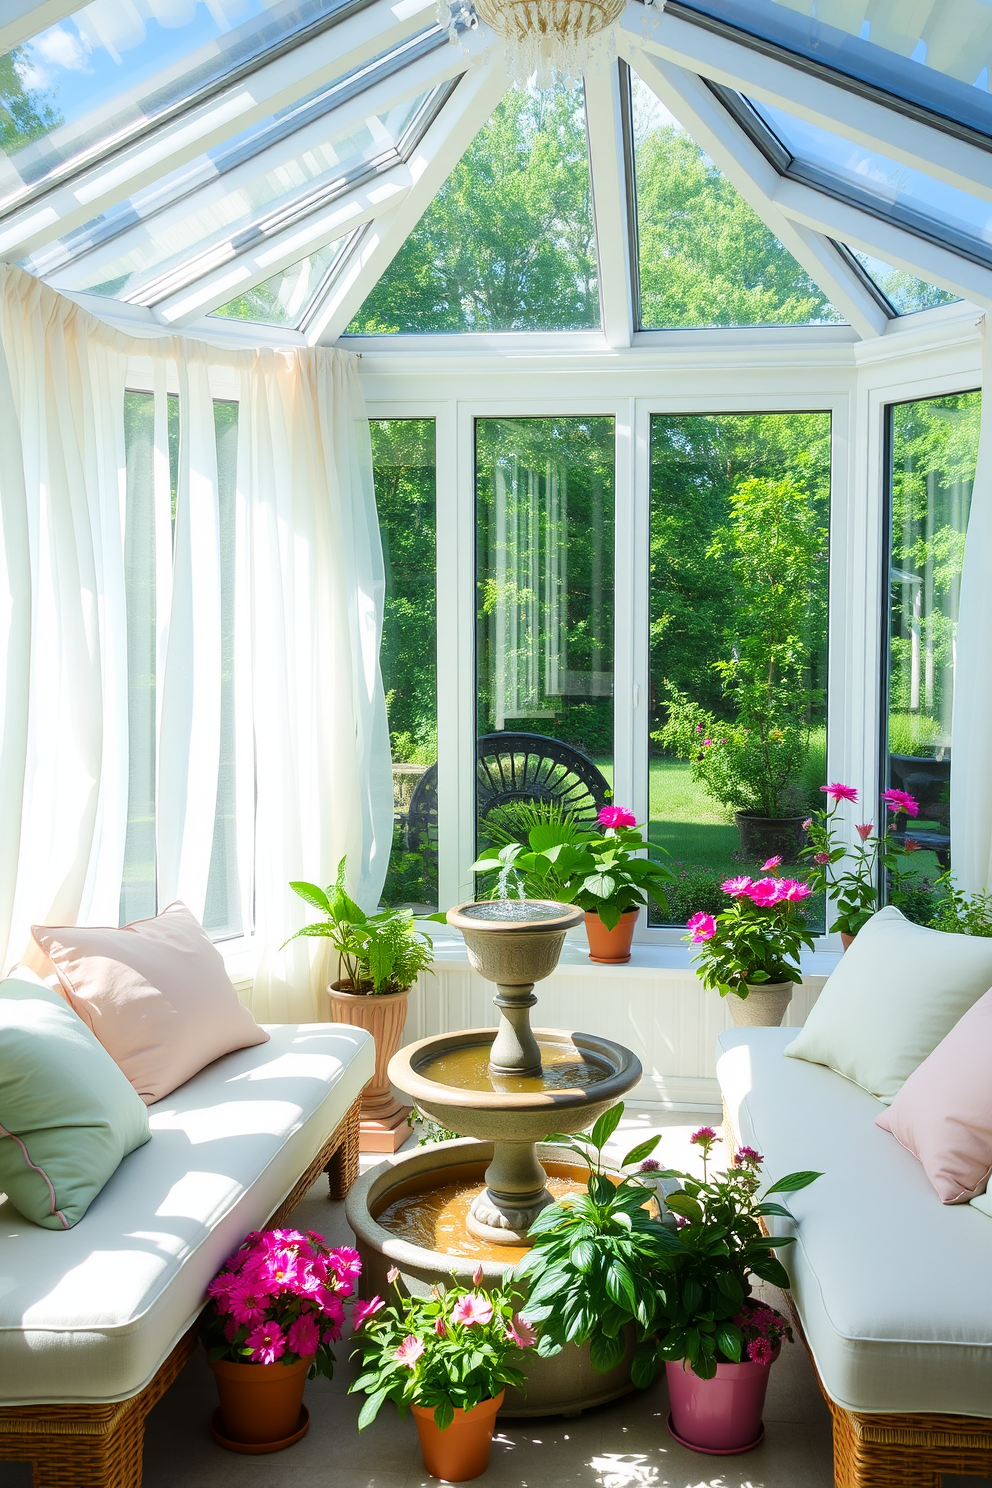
x=720, y=1415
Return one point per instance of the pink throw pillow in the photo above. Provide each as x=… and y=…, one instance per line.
x=943, y=1113
x=155, y=993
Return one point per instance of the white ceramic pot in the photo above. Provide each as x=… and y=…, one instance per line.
x=763, y=1007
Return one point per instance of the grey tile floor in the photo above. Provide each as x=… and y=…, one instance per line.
x=623, y=1445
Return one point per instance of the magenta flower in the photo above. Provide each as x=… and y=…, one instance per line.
x=282, y=1268
x=441, y=1328
x=736, y=887
x=392, y=1274
x=910, y=846
x=771, y=863
x=821, y=857
x=900, y=800
x=807, y=824
x=747, y=1157
x=707, y=743
x=410, y=1351
x=765, y=892
x=477, y=1275
x=364, y=1310
x=266, y=1343
x=346, y=1263
x=471, y=1309
x=303, y=1336
x=704, y=1137
x=520, y=1332
x=616, y=816
x=650, y=1165
x=759, y=1351
x=864, y=830
x=249, y=1301
x=794, y=889
x=703, y=927
x=838, y=792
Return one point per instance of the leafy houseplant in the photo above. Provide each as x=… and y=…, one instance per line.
x=276, y=1306
x=850, y=874
x=381, y=956
x=751, y=949
x=448, y=1356
x=601, y=872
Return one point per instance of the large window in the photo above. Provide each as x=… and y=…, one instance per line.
x=739, y=508
x=544, y=504
x=933, y=445
x=404, y=461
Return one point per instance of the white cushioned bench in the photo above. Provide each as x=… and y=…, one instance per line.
x=91, y=1316
x=891, y=1286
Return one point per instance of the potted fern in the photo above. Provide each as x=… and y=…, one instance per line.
x=380, y=957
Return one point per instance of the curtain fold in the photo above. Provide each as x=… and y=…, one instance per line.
x=971, y=722
x=312, y=741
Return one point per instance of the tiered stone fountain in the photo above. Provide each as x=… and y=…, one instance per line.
x=504, y=1090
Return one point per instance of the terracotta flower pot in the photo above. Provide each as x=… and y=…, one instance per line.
x=846, y=940
x=610, y=946
x=260, y=1403
x=462, y=1450
x=720, y=1415
x=765, y=836
x=383, y=1015
x=763, y=1007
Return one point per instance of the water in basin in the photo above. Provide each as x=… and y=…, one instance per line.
x=518, y=910
x=563, y=1067
x=435, y=1218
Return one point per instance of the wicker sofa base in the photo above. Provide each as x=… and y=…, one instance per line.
x=912, y=1451
x=100, y=1446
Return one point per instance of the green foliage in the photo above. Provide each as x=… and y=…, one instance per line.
x=694, y=889
x=25, y=113
x=451, y=1365
x=431, y=1131
x=913, y=733
x=958, y=912
x=850, y=874
x=601, y=872
x=508, y=243
x=411, y=877
x=596, y=1259
x=379, y=953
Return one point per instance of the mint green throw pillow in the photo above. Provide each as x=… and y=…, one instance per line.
x=67, y=1113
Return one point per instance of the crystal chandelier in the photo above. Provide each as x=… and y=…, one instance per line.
x=542, y=38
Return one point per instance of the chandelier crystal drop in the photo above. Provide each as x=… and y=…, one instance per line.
x=543, y=39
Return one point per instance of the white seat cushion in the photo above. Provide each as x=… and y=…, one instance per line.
x=892, y=1285
x=89, y=1314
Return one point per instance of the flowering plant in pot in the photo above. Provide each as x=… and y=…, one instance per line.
x=750, y=950
x=380, y=957
x=718, y=1342
x=849, y=875
x=276, y=1306
x=602, y=872
x=447, y=1357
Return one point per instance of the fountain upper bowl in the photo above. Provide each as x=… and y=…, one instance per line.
x=537, y=917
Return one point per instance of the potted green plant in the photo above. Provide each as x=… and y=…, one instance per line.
x=750, y=950
x=602, y=872
x=717, y=1341
x=276, y=1306
x=380, y=957
x=850, y=875
x=447, y=1357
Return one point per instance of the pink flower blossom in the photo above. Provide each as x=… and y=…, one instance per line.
x=332, y=1307
x=283, y=1268
x=410, y=1351
x=900, y=800
x=650, y=1165
x=231, y=1328
x=267, y=1343
x=471, y=1309
x=703, y=927
x=759, y=1351
x=364, y=1310
x=736, y=887
x=477, y=1275
x=392, y=1274
x=864, y=830
x=838, y=792
x=807, y=824
x=747, y=1157
x=303, y=1337
x=821, y=857
x=794, y=889
x=222, y=1286
x=771, y=863
x=765, y=892
x=441, y=1328
x=616, y=816
x=910, y=846
x=704, y=1137
x=520, y=1332
x=346, y=1263
x=707, y=743
x=249, y=1302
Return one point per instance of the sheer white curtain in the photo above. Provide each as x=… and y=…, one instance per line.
x=313, y=770
x=971, y=726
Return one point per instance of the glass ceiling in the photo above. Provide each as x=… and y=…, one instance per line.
x=108, y=71
x=935, y=54
x=509, y=242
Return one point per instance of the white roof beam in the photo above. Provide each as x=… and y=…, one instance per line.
x=604, y=121
x=341, y=49
x=702, y=115
x=23, y=19
x=439, y=152
x=839, y=109
x=243, y=271
x=807, y=207
x=417, y=78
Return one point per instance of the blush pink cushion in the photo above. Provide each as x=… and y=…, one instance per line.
x=155, y=993
x=943, y=1113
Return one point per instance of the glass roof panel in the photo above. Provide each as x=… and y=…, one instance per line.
x=249, y=197
x=935, y=54
x=943, y=213
x=705, y=258
x=904, y=292
x=285, y=299
x=113, y=67
x=508, y=243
